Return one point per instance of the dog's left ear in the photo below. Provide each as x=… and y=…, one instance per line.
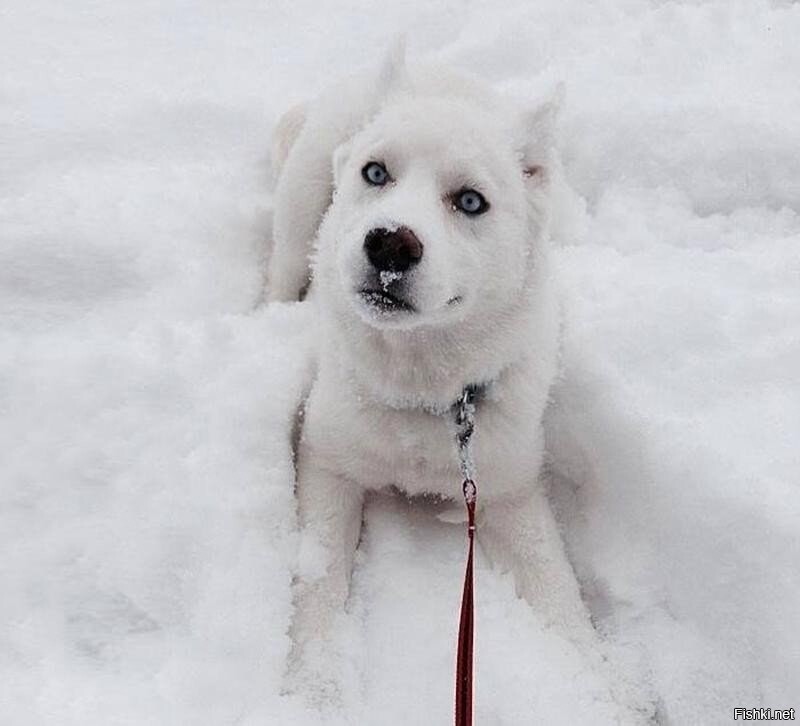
x=537, y=136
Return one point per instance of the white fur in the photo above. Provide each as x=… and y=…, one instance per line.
x=378, y=412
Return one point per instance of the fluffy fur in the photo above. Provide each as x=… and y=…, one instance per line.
x=377, y=415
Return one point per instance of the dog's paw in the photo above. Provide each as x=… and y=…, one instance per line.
x=311, y=680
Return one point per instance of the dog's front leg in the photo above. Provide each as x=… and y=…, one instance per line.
x=330, y=511
x=520, y=534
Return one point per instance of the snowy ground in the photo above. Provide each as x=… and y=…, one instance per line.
x=146, y=512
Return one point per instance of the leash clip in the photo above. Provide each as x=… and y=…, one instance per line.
x=470, y=491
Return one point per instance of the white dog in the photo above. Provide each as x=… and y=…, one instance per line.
x=430, y=274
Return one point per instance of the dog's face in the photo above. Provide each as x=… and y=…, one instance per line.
x=434, y=215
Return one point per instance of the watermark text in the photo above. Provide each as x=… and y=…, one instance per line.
x=763, y=714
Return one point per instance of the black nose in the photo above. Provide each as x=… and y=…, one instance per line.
x=395, y=251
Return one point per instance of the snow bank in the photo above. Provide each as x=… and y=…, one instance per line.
x=671, y=440
x=146, y=510
x=150, y=526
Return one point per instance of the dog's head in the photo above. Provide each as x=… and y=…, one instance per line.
x=439, y=203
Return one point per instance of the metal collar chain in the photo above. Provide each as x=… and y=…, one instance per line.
x=465, y=425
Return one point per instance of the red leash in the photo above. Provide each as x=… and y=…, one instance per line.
x=466, y=625
x=465, y=423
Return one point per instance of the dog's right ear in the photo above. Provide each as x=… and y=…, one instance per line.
x=340, y=156
x=392, y=77
x=393, y=74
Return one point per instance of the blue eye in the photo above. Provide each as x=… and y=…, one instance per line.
x=470, y=202
x=375, y=173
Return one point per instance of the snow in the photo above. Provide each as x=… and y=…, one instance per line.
x=387, y=277
x=146, y=510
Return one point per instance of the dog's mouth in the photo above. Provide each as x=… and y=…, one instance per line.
x=385, y=302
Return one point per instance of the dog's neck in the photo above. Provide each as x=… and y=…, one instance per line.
x=429, y=369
